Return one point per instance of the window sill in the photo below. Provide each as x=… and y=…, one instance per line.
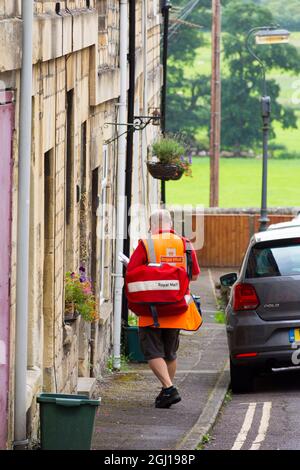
x=33, y=385
x=106, y=309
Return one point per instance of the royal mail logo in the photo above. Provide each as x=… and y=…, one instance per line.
x=171, y=259
x=142, y=286
x=168, y=284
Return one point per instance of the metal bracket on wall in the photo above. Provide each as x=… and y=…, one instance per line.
x=139, y=124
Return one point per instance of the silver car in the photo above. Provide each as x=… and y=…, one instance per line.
x=263, y=313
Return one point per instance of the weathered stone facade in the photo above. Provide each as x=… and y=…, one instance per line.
x=75, y=92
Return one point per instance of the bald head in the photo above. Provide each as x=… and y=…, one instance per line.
x=160, y=220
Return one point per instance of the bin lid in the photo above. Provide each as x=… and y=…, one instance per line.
x=67, y=400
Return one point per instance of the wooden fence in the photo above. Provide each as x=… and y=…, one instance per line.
x=226, y=237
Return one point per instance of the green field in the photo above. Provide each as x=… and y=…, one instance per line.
x=240, y=183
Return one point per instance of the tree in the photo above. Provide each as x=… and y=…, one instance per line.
x=242, y=86
x=287, y=17
x=188, y=99
x=188, y=103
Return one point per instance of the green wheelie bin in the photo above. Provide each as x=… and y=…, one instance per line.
x=133, y=348
x=67, y=421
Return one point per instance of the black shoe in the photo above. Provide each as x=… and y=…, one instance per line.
x=167, y=398
x=159, y=396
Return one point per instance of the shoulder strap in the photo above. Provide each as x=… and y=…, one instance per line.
x=188, y=255
x=154, y=314
x=149, y=243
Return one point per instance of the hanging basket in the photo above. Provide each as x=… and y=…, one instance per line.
x=165, y=171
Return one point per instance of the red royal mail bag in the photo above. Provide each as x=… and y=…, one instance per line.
x=157, y=290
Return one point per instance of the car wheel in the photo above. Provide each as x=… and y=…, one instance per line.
x=241, y=378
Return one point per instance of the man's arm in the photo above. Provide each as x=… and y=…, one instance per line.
x=195, y=266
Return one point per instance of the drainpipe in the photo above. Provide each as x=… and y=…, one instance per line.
x=20, y=436
x=121, y=203
x=129, y=156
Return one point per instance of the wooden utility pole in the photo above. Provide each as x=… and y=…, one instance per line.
x=215, y=129
x=165, y=9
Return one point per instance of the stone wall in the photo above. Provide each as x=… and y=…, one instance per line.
x=75, y=93
x=252, y=210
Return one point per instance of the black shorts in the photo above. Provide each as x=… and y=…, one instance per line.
x=159, y=342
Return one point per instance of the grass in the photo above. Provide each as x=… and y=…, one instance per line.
x=228, y=398
x=288, y=137
x=124, y=363
x=240, y=183
x=220, y=318
x=205, y=440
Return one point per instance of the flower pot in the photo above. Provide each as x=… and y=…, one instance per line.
x=165, y=171
x=71, y=316
x=133, y=348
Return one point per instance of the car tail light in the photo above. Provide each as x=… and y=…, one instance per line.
x=240, y=356
x=244, y=297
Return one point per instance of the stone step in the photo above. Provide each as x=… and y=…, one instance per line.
x=86, y=386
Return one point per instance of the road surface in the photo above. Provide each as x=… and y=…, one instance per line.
x=266, y=419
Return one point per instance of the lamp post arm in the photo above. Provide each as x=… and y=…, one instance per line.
x=251, y=52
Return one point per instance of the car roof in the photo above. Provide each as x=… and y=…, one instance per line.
x=291, y=224
x=287, y=232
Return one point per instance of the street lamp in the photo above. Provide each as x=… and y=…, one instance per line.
x=265, y=35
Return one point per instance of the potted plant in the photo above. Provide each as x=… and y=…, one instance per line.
x=133, y=348
x=169, y=162
x=79, y=297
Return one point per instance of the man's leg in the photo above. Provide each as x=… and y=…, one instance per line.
x=169, y=394
x=172, y=365
x=153, y=347
x=160, y=368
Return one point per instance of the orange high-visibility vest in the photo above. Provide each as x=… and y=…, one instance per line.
x=170, y=248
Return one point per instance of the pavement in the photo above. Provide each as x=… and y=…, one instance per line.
x=127, y=418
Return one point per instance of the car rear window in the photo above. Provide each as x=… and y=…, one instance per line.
x=275, y=258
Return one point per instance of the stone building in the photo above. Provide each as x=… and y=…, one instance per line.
x=73, y=168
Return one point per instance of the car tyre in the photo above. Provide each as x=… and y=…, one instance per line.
x=242, y=378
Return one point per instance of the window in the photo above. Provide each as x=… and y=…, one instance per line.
x=276, y=258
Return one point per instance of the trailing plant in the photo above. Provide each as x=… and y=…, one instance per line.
x=168, y=150
x=79, y=296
